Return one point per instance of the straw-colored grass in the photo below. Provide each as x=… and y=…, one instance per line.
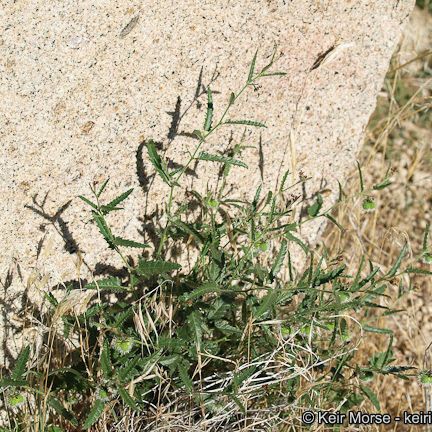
x=399, y=136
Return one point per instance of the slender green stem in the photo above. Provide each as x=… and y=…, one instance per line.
x=191, y=159
x=165, y=231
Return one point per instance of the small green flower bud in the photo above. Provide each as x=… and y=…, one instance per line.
x=212, y=203
x=427, y=257
x=330, y=326
x=286, y=331
x=123, y=345
x=16, y=400
x=309, y=331
x=262, y=246
x=425, y=377
x=102, y=395
x=343, y=296
x=369, y=204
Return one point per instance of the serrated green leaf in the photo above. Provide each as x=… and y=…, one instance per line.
x=425, y=246
x=184, y=377
x=62, y=411
x=115, y=202
x=372, y=329
x=266, y=305
x=158, y=163
x=226, y=328
x=199, y=134
x=94, y=414
x=111, y=283
x=237, y=402
x=218, y=309
x=246, y=123
x=169, y=360
x=329, y=276
x=127, y=398
x=371, y=396
x=119, y=241
x=290, y=236
x=121, y=317
x=127, y=372
x=209, y=113
x=105, y=359
x=8, y=382
x=149, y=269
x=240, y=377
x=188, y=229
x=385, y=183
x=195, y=325
x=252, y=68
x=207, y=288
x=397, y=369
x=204, y=156
x=103, y=228
x=102, y=188
x=273, y=74
x=87, y=201
x=398, y=262
x=21, y=364
x=421, y=271
x=51, y=299
x=256, y=197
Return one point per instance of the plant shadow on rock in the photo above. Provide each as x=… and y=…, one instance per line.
x=57, y=221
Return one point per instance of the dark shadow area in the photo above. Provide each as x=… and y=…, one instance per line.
x=57, y=221
x=175, y=122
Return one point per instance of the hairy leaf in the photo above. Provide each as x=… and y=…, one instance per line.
x=94, y=414
x=21, y=364
x=62, y=411
x=246, y=123
x=104, y=229
x=196, y=326
x=398, y=262
x=222, y=159
x=158, y=163
x=87, y=201
x=207, y=288
x=115, y=202
x=252, y=68
x=371, y=396
x=111, y=283
x=119, y=241
x=127, y=398
x=184, y=377
x=149, y=269
x=105, y=359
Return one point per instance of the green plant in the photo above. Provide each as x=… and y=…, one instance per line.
x=241, y=337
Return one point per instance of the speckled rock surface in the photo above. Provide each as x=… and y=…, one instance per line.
x=82, y=85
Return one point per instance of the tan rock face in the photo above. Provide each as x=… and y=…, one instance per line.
x=83, y=85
